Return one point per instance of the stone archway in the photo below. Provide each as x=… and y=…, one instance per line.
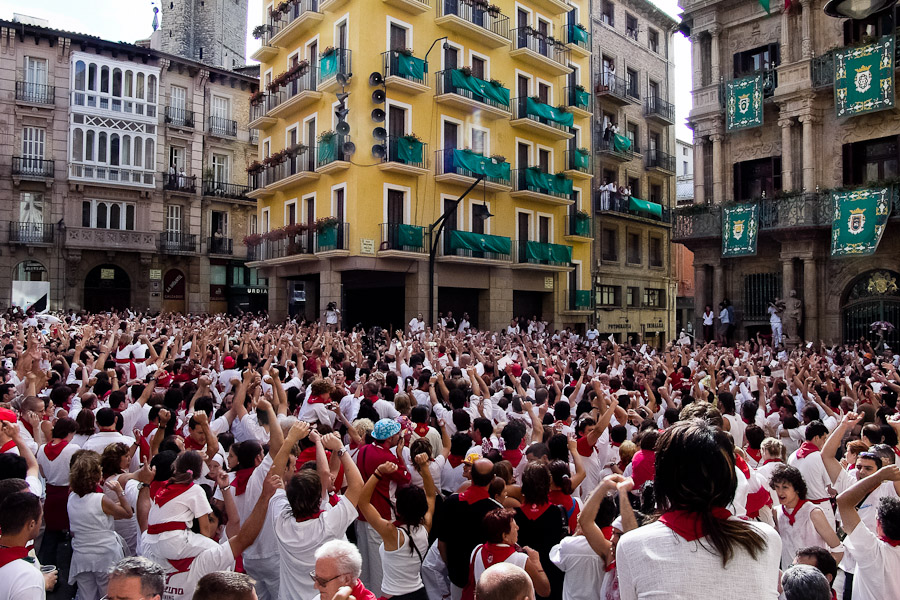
x=870, y=297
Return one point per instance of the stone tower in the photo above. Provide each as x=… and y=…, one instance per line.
x=209, y=31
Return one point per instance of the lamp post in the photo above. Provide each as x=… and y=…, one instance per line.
x=856, y=9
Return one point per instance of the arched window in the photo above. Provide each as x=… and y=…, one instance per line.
x=77, y=145
x=126, y=150
x=148, y=155
x=101, y=147
x=139, y=87
x=114, y=149
x=151, y=88
x=79, y=75
x=128, y=89
x=92, y=77
x=117, y=83
x=101, y=215
x=89, y=145
x=104, y=80
x=115, y=216
x=138, y=151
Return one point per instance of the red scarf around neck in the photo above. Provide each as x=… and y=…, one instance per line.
x=610, y=567
x=170, y=491
x=534, y=511
x=361, y=593
x=513, y=456
x=421, y=429
x=792, y=516
x=741, y=464
x=241, y=477
x=11, y=553
x=53, y=448
x=315, y=515
x=889, y=541
x=806, y=448
x=28, y=427
x=454, y=460
x=754, y=453
x=687, y=524
x=319, y=400
x=7, y=446
x=474, y=494
x=190, y=444
x=771, y=460
x=493, y=554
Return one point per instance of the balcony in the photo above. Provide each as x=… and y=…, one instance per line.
x=259, y=110
x=537, y=50
x=821, y=70
x=579, y=227
x=404, y=156
x=293, y=170
x=536, y=117
x=222, y=127
x=31, y=233
x=657, y=109
x=578, y=164
x=554, y=7
x=461, y=167
x=632, y=207
x=615, y=148
x=330, y=157
x=577, y=39
x=89, y=238
x=413, y=7
x=176, y=242
x=186, y=184
x=471, y=94
x=542, y=256
x=330, y=65
x=579, y=101
x=26, y=167
x=613, y=89
x=660, y=161
x=533, y=184
x=472, y=247
x=266, y=52
x=218, y=189
x=296, y=94
x=333, y=241
x=179, y=117
x=301, y=16
x=289, y=248
x=469, y=19
x=769, y=83
x=400, y=239
x=404, y=72
x=35, y=93
x=222, y=246
x=111, y=175
x=580, y=301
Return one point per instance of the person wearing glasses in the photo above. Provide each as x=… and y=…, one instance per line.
x=135, y=577
x=338, y=565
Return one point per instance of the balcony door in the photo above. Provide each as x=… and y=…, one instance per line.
x=521, y=24
x=35, y=71
x=480, y=214
x=394, y=217
x=341, y=38
x=544, y=160
x=178, y=100
x=398, y=37
x=33, y=141
x=451, y=58
x=220, y=109
x=173, y=218
x=310, y=142
x=544, y=230
x=218, y=224
x=523, y=225
x=31, y=208
x=220, y=168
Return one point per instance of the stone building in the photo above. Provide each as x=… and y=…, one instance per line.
x=122, y=164
x=682, y=258
x=633, y=75
x=213, y=32
x=777, y=156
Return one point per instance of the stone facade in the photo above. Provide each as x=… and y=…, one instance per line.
x=213, y=32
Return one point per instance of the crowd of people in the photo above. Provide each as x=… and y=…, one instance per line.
x=176, y=457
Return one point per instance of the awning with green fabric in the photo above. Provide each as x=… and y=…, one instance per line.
x=545, y=111
x=410, y=66
x=328, y=65
x=643, y=205
x=577, y=34
x=583, y=298
x=326, y=150
x=479, y=242
x=410, y=236
x=581, y=160
x=481, y=165
x=409, y=151
x=582, y=99
x=535, y=178
x=328, y=237
x=621, y=143
x=556, y=253
x=480, y=87
x=582, y=225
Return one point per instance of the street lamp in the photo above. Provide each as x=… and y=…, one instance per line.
x=856, y=9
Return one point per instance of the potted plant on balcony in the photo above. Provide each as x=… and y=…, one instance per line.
x=326, y=227
x=466, y=70
x=328, y=51
x=253, y=239
x=496, y=82
x=261, y=30
x=275, y=235
x=493, y=10
x=254, y=167
x=257, y=97
x=294, y=150
x=404, y=51
x=498, y=158
x=284, y=7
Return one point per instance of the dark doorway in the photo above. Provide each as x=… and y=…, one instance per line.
x=105, y=287
x=528, y=304
x=374, y=298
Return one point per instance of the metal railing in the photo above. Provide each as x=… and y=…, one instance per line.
x=305, y=82
x=821, y=70
x=657, y=159
x=179, y=117
x=391, y=66
x=769, y=83
x=393, y=153
x=32, y=167
x=407, y=238
x=254, y=136
x=343, y=65
x=654, y=105
x=220, y=189
x=527, y=37
x=37, y=93
x=520, y=184
x=337, y=143
x=608, y=147
x=570, y=36
x=572, y=164
x=448, y=250
x=520, y=254
x=445, y=86
x=105, y=173
x=496, y=23
x=572, y=93
x=520, y=111
x=336, y=238
x=296, y=9
x=445, y=164
x=177, y=242
x=222, y=126
x=220, y=245
x=179, y=183
x=303, y=161
x=618, y=203
x=263, y=105
x=578, y=225
x=611, y=85
x=31, y=233
x=302, y=243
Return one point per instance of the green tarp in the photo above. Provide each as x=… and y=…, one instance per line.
x=580, y=160
x=409, y=151
x=326, y=151
x=553, y=184
x=480, y=87
x=556, y=253
x=410, y=236
x=744, y=102
x=644, y=206
x=545, y=111
x=864, y=78
x=582, y=99
x=582, y=225
x=859, y=220
x=328, y=65
x=481, y=165
x=583, y=298
x=410, y=66
x=479, y=242
x=740, y=225
x=328, y=237
x=578, y=35
x=621, y=143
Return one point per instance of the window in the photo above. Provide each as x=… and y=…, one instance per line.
x=705, y=60
x=220, y=168
x=478, y=67
x=633, y=133
x=877, y=25
x=684, y=151
x=255, y=279
x=608, y=295
x=653, y=298
x=634, y=184
x=753, y=178
x=290, y=212
x=607, y=14
x=36, y=70
x=610, y=245
x=870, y=160
x=765, y=59
x=759, y=289
x=480, y=214
x=633, y=251
x=31, y=208
x=253, y=226
x=632, y=295
x=632, y=84
x=653, y=40
x=653, y=90
x=176, y=158
x=220, y=107
x=173, y=218
x=177, y=99
x=656, y=193
x=104, y=214
x=684, y=168
x=631, y=26
x=479, y=141
x=33, y=142
x=656, y=251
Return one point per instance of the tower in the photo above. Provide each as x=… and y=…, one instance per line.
x=210, y=31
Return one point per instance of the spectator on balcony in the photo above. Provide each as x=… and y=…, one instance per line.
x=606, y=190
x=182, y=179
x=708, y=323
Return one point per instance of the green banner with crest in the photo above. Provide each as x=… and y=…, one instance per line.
x=740, y=225
x=864, y=78
x=744, y=102
x=859, y=220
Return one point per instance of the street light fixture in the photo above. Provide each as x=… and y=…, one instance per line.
x=856, y=9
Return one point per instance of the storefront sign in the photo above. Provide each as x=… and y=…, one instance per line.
x=614, y=327
x=107, y=273
x=366, y=246
x=257, y=290
x=155, y=274
x=34, y=267
x=173, y=285
x=548, y=283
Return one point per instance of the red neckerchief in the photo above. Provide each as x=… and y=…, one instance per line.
x=745, y=420
x=181, y=565
x=319, y=400
x=52, y=449
x=191, y=444
x=513, y=456
x=741, y=464
x=757, y=500
x=561, y=498
x=896, y=450
x=421, y=429
x=7, y=446
x=791, y=516
x=769, y=460
x=361, y=593
x=474, y=494
x=9, y=554
x=583, y=446
x=148, y=429
x=170, y=491
x=687, y=524
x=615, y=444
x=315, y=515
x=889, y=541
x=533, y=511
x=28, y=427
x=610, y=567
x=155, y=487
x=754, y=453
x=333, y=499
x=373, y=399
x=241, y=477
x=454, y=460
x=806, y=448
x=493, y=554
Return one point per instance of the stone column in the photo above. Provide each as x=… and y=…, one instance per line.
x=495, y=304
x=787, y=158
x=810, y=299
x=699, y=191
x=786, y=36
x=714, y=53
x=787, y=276
x=809, y=157
x=329, y=291
x=806, y=28
x=700, y=299
x=718, y=286
x=696, y=59
x=278, y=299
x=417, y=290
x=718, y=169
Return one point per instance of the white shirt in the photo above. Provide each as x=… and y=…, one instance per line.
x=877, y=565
x=21, y=580
x=583, y=567
x=56, y=471
x=180, y=585
x=385, y=409
x=708, y=318
x=415, y=325
x=265, y=545
x=816, y=477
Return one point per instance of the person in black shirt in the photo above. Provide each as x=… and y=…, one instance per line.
x=542, y=524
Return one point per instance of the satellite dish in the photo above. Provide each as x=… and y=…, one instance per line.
x=378, y=115
x=379, y=151
x=348, y=148
x=342, y=128
x=343, y=79
x=379, y=133
x=378, y=96
x=376, y=79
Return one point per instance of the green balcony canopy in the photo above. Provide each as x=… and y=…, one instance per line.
x=409, y=151
x=644, y=206
x=621, y=143
x=328, y=65
x=578, y=35
x=545, y=111
x=551, y=184
x=556, y=253
x=582, y=98
x=410, y=236
x=580, y=160
x=479, y=242
x=326, y=151
x=480, y=87
x=582, y=225
x=481, y=165
x=410, y=66
x=583, y=298
x=328, y=237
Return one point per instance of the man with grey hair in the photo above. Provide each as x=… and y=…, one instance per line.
x=136, y=577
x=804, y=582
x=338, y=565
x=504, y=581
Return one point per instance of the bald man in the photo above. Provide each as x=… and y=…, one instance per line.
x=504, y=581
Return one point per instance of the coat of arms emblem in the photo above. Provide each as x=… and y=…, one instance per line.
x=857, y=221
x=738, y=229
x=744, y=103
x=863, y=79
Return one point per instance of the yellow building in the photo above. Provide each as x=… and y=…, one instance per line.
x=471, y=81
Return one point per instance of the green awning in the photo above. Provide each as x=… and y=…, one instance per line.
x=582, y=225
x=410, y=66
x=479, y=242
x=328, y=237
x=481, y=165
x=410, y=236
x=578, y=35
x=580, y=160
x=583, y=298
x=621, y=143
x=409, y=151
x=545, y=111
x=556, y=253
x=328, y=65
x=642, y=205
x=480, y=87
x=558, y=184
x=326, y=150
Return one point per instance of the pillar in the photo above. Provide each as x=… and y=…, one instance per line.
x=787, y=157
x=806, y=28
x=786, y=49
x=714, y=53
x=787, y=276
x=718, y=286
x=810, y=299
x=278, y=297
x=700, y=298
x=809, y=157
x=696, y=60
x=417, y=290
x=699, y=191
x=495, y=304
x=718, y=169
x=329, y=291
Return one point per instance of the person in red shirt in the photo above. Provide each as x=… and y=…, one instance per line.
x=643, y=464
x=386, y=437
